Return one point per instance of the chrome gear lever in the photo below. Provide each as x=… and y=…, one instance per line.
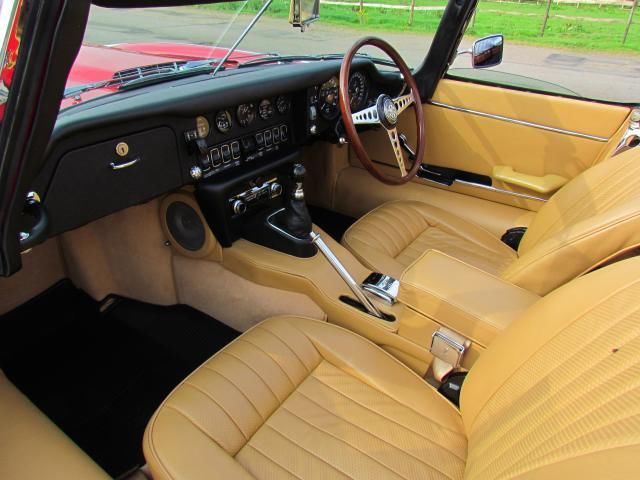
x=346, y=276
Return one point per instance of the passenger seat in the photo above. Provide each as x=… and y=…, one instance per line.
x=32, y=447
x=557, y=395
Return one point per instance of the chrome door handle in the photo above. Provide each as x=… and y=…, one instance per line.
x=120, y=166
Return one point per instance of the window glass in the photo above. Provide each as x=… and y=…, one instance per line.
x=588, y=49
x=120, y=44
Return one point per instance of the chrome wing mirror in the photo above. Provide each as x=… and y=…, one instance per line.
x=302, y=13
x=486, y=52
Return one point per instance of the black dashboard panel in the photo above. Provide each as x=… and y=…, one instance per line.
x=160, y=125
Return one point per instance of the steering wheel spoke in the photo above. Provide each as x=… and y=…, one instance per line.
x=403, y=102
x=397, y=150
x=368, y=116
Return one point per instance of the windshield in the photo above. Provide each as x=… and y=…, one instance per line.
x=118, y=42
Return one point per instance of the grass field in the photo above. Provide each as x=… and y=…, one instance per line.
x=587, y=27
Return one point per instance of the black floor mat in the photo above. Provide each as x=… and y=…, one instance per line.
x=334, y=223
x=100, y=376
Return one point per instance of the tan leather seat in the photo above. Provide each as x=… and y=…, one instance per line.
x=32, y=447
x=556, y=396
x=593, y=217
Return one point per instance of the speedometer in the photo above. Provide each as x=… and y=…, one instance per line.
x=357, y=90
x=328, y=98
x=223, y=121
x=246, y=114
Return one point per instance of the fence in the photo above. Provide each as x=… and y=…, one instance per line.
x=605, y=21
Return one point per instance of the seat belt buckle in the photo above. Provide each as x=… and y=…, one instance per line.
x=449, y=346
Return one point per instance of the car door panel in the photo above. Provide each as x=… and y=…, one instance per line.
x=474, y=128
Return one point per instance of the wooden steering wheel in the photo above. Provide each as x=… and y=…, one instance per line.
x=385, y=113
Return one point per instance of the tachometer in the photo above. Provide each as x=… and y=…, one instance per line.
x=223, y=121
x=246, y=114
x=265, y=109
x=328, y=99
x=283, y=104
x=357, y=90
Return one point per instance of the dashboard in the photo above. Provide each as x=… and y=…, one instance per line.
x=230, y=136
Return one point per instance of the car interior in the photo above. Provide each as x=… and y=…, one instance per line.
x=324, y=269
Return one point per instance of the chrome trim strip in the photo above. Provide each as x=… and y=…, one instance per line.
x=487, y=187
x=500, y=190
x=520, y=122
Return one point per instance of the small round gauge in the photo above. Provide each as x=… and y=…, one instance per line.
x=246, y=114
x=328, y=98
x=283, y=104
x=223, y=121
x=357, y=90
x=265, y=109
x=202, y=127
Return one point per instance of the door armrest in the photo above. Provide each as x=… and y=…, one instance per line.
x=546, y=184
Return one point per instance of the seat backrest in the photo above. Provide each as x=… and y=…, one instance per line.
x=558, y=394
x=593, y=217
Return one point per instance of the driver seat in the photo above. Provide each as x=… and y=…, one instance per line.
x=592, y=218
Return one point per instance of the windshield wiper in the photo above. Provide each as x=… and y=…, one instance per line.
x=310, y=58
x=244, y=33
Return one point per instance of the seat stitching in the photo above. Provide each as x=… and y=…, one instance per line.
x=252, y=369
x=307, y=450
x=189, y=384
x=287, y=345
x=195, y=424
x=237, y=388
x=541, y=403
x=372, y=434
x=579, y=201
x=539, y=455
x=391, y=420
x=272, y=359
x=273, y=461
x=537, y=350
x=431, y=467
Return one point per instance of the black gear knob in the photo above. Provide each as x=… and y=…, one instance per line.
x=295, y=218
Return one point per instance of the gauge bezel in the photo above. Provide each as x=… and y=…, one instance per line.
x=229, y=119
x=247, y=118
x=271, y=109
x=203, y=128
x=329, y=110
x=287, y=104
x=365, y=90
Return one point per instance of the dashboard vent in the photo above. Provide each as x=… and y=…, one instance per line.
x=141, y=72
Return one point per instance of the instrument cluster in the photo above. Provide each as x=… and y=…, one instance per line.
x=328, y=95
x=246, y=114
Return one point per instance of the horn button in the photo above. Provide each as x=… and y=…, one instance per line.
x=387, y=111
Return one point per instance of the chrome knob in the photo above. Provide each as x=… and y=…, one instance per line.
x=313, y=129
x=275, y=189
x=196, y=173
x=239, y=207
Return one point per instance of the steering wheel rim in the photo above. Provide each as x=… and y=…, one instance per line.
x=383, y=113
